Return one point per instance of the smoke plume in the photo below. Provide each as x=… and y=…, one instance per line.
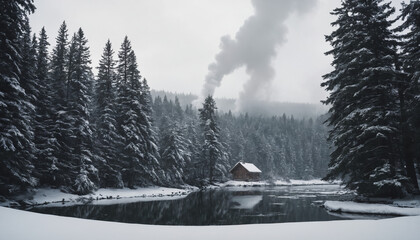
x=254, y=46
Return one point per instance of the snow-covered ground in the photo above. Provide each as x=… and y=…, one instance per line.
x=54, y=197
x=371, y=208
x=23, y=225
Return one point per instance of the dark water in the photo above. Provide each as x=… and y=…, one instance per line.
x=218, y=207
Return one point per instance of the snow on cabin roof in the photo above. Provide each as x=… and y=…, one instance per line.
x=248, y=166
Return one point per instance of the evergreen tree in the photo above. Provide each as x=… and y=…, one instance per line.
x=29, y=81
x=364, y=111
x=193, y=174
x=178, y=113
x=148, y=130
x=59, y=65
x=410, y=84
x=16, y=135
x=82, y=172
x=173, y=152
x=44, y=136
x=138, y=167
x=157, y=108
x=212, y=150
x=107, y=138
x=61, y=122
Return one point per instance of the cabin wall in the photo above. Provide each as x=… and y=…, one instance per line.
x=240, y=173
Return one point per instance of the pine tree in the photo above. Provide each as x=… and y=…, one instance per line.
x=44, y=138
x=174, y=154
x=178, y=113
x=83, y=172
x=157, y=108
x=107, y=138
x=410, y=84
x=148, y=131
x=212, y=150
x=193, y=174
x=61, y=123
x=138, y=167
x=16, y=135
x=29, y=81
x=364, y=108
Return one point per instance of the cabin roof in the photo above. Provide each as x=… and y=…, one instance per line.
x=248, y=166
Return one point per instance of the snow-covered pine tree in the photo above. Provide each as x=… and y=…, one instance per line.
x=16, y=135
x=28, y=67
x=178, y=113
x=133, y=122
x=157, y=108
x=61, y=122
x=148, y=131
x=80, y=77
x=29, y=82
x=193, y=174
x=364, y=111
x=174, y=154
x=212, y=149
x=107, y=139
x=44, y=138
x=410, y=57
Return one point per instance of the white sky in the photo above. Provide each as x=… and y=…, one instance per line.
x=175, y=41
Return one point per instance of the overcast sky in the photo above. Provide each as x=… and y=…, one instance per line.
x=175, y=41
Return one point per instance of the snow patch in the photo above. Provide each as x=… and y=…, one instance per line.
x=105, y=195
x=370, y=208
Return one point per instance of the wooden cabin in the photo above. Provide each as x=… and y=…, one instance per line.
x=245, y=172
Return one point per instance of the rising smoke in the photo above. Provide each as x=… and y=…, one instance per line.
x=254, y=47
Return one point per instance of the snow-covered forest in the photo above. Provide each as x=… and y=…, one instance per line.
x=64, y=127
x=87, y=137
x=280, y=146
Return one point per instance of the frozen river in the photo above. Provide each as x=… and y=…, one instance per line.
x=236, y=205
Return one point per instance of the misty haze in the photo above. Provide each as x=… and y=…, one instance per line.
x=168, y=119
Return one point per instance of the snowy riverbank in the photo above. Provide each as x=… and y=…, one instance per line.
x=22, y=225
x=399, y=208
x=54, y=197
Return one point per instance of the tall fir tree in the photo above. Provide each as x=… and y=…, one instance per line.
x=16, y=135
x=44, y=138
x=410, y=58
x=29, y=81
x=61, y=122
x=138, y=168
x=212, y=149
x=364, y=112
x=80, y=77
x=148, y=131
x=174, y=154
x=106, y=134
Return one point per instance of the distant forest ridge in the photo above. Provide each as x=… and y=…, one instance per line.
x=261, y=108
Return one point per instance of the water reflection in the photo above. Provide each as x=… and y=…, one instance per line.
x=215, y=207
